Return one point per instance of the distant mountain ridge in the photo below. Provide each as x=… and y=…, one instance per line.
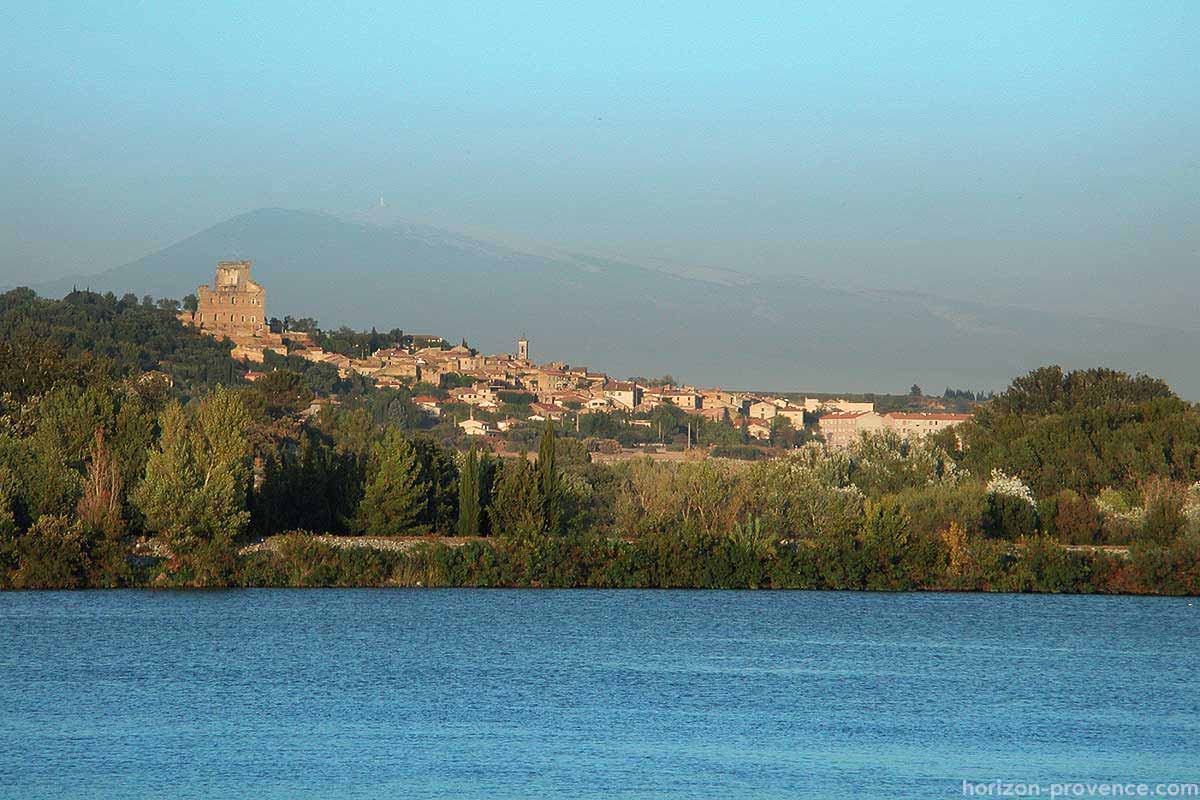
x=714, y=327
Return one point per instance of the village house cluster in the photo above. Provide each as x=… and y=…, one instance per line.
x=235, y=308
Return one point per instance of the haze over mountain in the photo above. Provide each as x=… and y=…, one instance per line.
x=702, y=325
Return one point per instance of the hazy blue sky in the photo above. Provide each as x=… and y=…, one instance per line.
x=1045, y=151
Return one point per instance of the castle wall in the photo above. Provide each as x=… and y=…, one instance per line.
x=234, y=305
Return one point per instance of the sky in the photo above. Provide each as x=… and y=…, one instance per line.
x=1043, y=154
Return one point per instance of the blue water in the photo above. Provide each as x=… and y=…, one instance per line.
x=486, y=694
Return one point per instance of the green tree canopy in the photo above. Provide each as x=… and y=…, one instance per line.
x=1084, y=431
x=195, y=487
x=396, y=496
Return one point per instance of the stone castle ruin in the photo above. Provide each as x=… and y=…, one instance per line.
x=234, y=305
x=235, y=308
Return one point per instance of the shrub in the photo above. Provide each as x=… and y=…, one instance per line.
x=742, y=452
x=1073, y=519
x=935, y=507
x=1044, y=566
x=51, y=555
x=1009, y=517
x=1164, y=519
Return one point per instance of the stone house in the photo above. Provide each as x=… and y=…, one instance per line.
x=840, y=428
x=918, y=425
x=794, y=415
x=546, y=411
x=759, y=429
x=625, y=395
x=477, y=427
x=430, y=405
x=762, y=409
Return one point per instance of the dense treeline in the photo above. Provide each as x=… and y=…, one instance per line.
x=87, y=338
x=1084, y=431
x=112, y=475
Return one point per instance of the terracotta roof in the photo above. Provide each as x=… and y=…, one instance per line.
x=845, y=415
x=945, y=416
x=548, y=407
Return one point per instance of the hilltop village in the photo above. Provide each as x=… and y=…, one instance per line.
x=500, y=393
x=136, y=452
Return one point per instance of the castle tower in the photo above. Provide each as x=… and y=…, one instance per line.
x=234, y=305
x=523, y=349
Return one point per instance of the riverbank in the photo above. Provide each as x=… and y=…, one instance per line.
x=663, y=561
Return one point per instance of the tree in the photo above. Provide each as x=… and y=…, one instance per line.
x=470, y=515
x=168, y=304
x=665, y=420
x=191, y=303
x=548, y=482
x=396, y=495
x=88, y=339
x=1048, y=390
x=1075, y=520
x=1009, y=517
x=885, y=463
x=194, y=491
x=885, y=537
x=440, y=475
x=99, y=515
x=314, y=486
x=1164, y=518
x=1084, y=431
x=885, y=525
x=808, y=495
x=516, y=509
x=782, y=432
x=282, y=392
x=712, y=432
x=100, y=507
x=958, y=554
x=52, y=555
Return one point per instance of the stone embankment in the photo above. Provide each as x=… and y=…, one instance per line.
x=393, y=543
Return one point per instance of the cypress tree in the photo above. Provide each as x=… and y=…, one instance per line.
x=548, y=481
x=469, y=515
x=396, y=494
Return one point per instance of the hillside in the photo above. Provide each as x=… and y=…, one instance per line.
x=90, y=338
x=626, y=319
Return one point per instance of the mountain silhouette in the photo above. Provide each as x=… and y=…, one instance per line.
x=705, y=326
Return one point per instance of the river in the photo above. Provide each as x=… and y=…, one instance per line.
x=589, y=694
